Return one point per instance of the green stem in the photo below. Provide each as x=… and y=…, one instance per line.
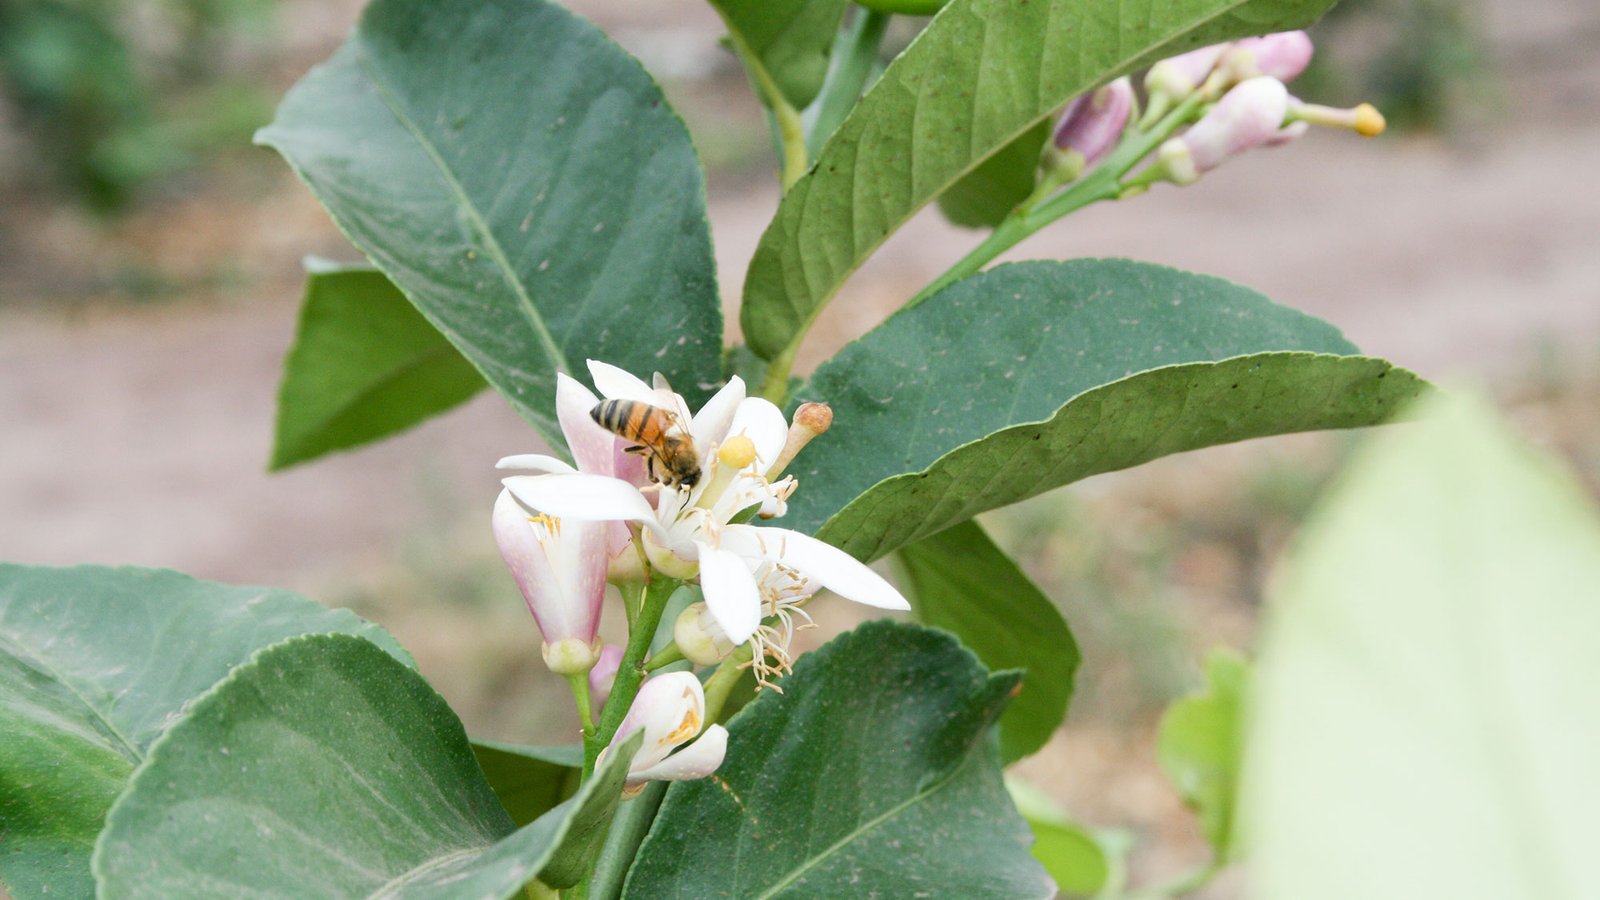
x=855, y=54
x=721, y=682
x=632, y=596
x=1045, y=205
x=776, y=387
x=790, y=131
x=631, y=671
x=668, y=655
x=579, y=682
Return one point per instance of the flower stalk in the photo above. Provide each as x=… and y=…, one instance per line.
x=631, y=672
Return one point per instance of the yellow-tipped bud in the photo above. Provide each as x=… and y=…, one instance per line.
x=814, y=417
x=1369, y=122
x=810, y=420
x=737, y=452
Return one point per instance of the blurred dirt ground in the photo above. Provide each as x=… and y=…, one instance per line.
x=139, y=359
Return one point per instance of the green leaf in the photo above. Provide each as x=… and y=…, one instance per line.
x=980, y=75
x=872, y=774
x=95, y=664
x=1078, y=861
x=991, y=191
x=961, y=582
x=523, y=182
x=325, y=767
x=1423, y=718
x=364, y=365
x=1037, y=374
x=1201, y=745
x=790, y=38
x=530, y=781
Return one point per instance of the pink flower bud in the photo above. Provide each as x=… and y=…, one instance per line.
x=604, y=673
x=560, y=569
x=1091, y=126
x=1282, y=56
x=1179, y=76
x=1247, y=116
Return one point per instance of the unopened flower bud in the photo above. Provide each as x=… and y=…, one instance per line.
x=1282, y=56
x=670, y=709
x=1089, y=128
x=1179, y=76
x=1364, y=120
x=810, y=420
x=560, y=569
x=1248, y=116
x=604, y=673
x=699, y=637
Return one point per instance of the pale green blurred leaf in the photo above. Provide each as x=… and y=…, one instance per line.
x=1424, y=718
x=1201, y=746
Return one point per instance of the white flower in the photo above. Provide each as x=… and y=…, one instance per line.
x=671, y=710
x=700, y=531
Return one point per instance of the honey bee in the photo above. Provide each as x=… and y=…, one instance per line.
x=671, y=457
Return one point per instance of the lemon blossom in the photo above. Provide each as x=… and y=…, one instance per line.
x=700, y=532
x=671, y=710
x=560, y=570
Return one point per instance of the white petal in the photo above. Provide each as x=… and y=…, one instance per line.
x=616, y=384
x=731, y=592
x=593, y=447
x=697, y=760
x=711, y=423
x=835, y=569
x=763, y=423
x=583, y=498
x=535, y=462
x=670, y=709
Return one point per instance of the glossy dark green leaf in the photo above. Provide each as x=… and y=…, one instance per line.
x=530, y=781
x=874, y=773
x=1201, y=747
x=1423, y=719
x=993, y=189
x=522, y=181
x=324, y=767
x=961, y=582
x=95, y=664
x=1038, y=374
x=790, y=38
x=981, y=74
x=364, y=365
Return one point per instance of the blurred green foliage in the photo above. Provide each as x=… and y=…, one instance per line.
x=112, y=94
x=1424, y=63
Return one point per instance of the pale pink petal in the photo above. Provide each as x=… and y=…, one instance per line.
x=731, y=592
x=593, y=447
x=583, y=497
x=697, y=760
x=711, y=423
x=833, y=568
x=562, y=576
x=763, y=423
x=534, y=462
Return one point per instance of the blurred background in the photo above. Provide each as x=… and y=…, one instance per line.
x=150, y=277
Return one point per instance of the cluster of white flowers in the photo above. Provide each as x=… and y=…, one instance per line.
x=566, y=531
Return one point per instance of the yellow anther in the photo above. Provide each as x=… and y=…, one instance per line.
x=1369, y=122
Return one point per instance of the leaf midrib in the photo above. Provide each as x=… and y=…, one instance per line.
x=123, y=744
x=491, y=244
x=854, y=834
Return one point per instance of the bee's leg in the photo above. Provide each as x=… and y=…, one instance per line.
x=639, y=449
